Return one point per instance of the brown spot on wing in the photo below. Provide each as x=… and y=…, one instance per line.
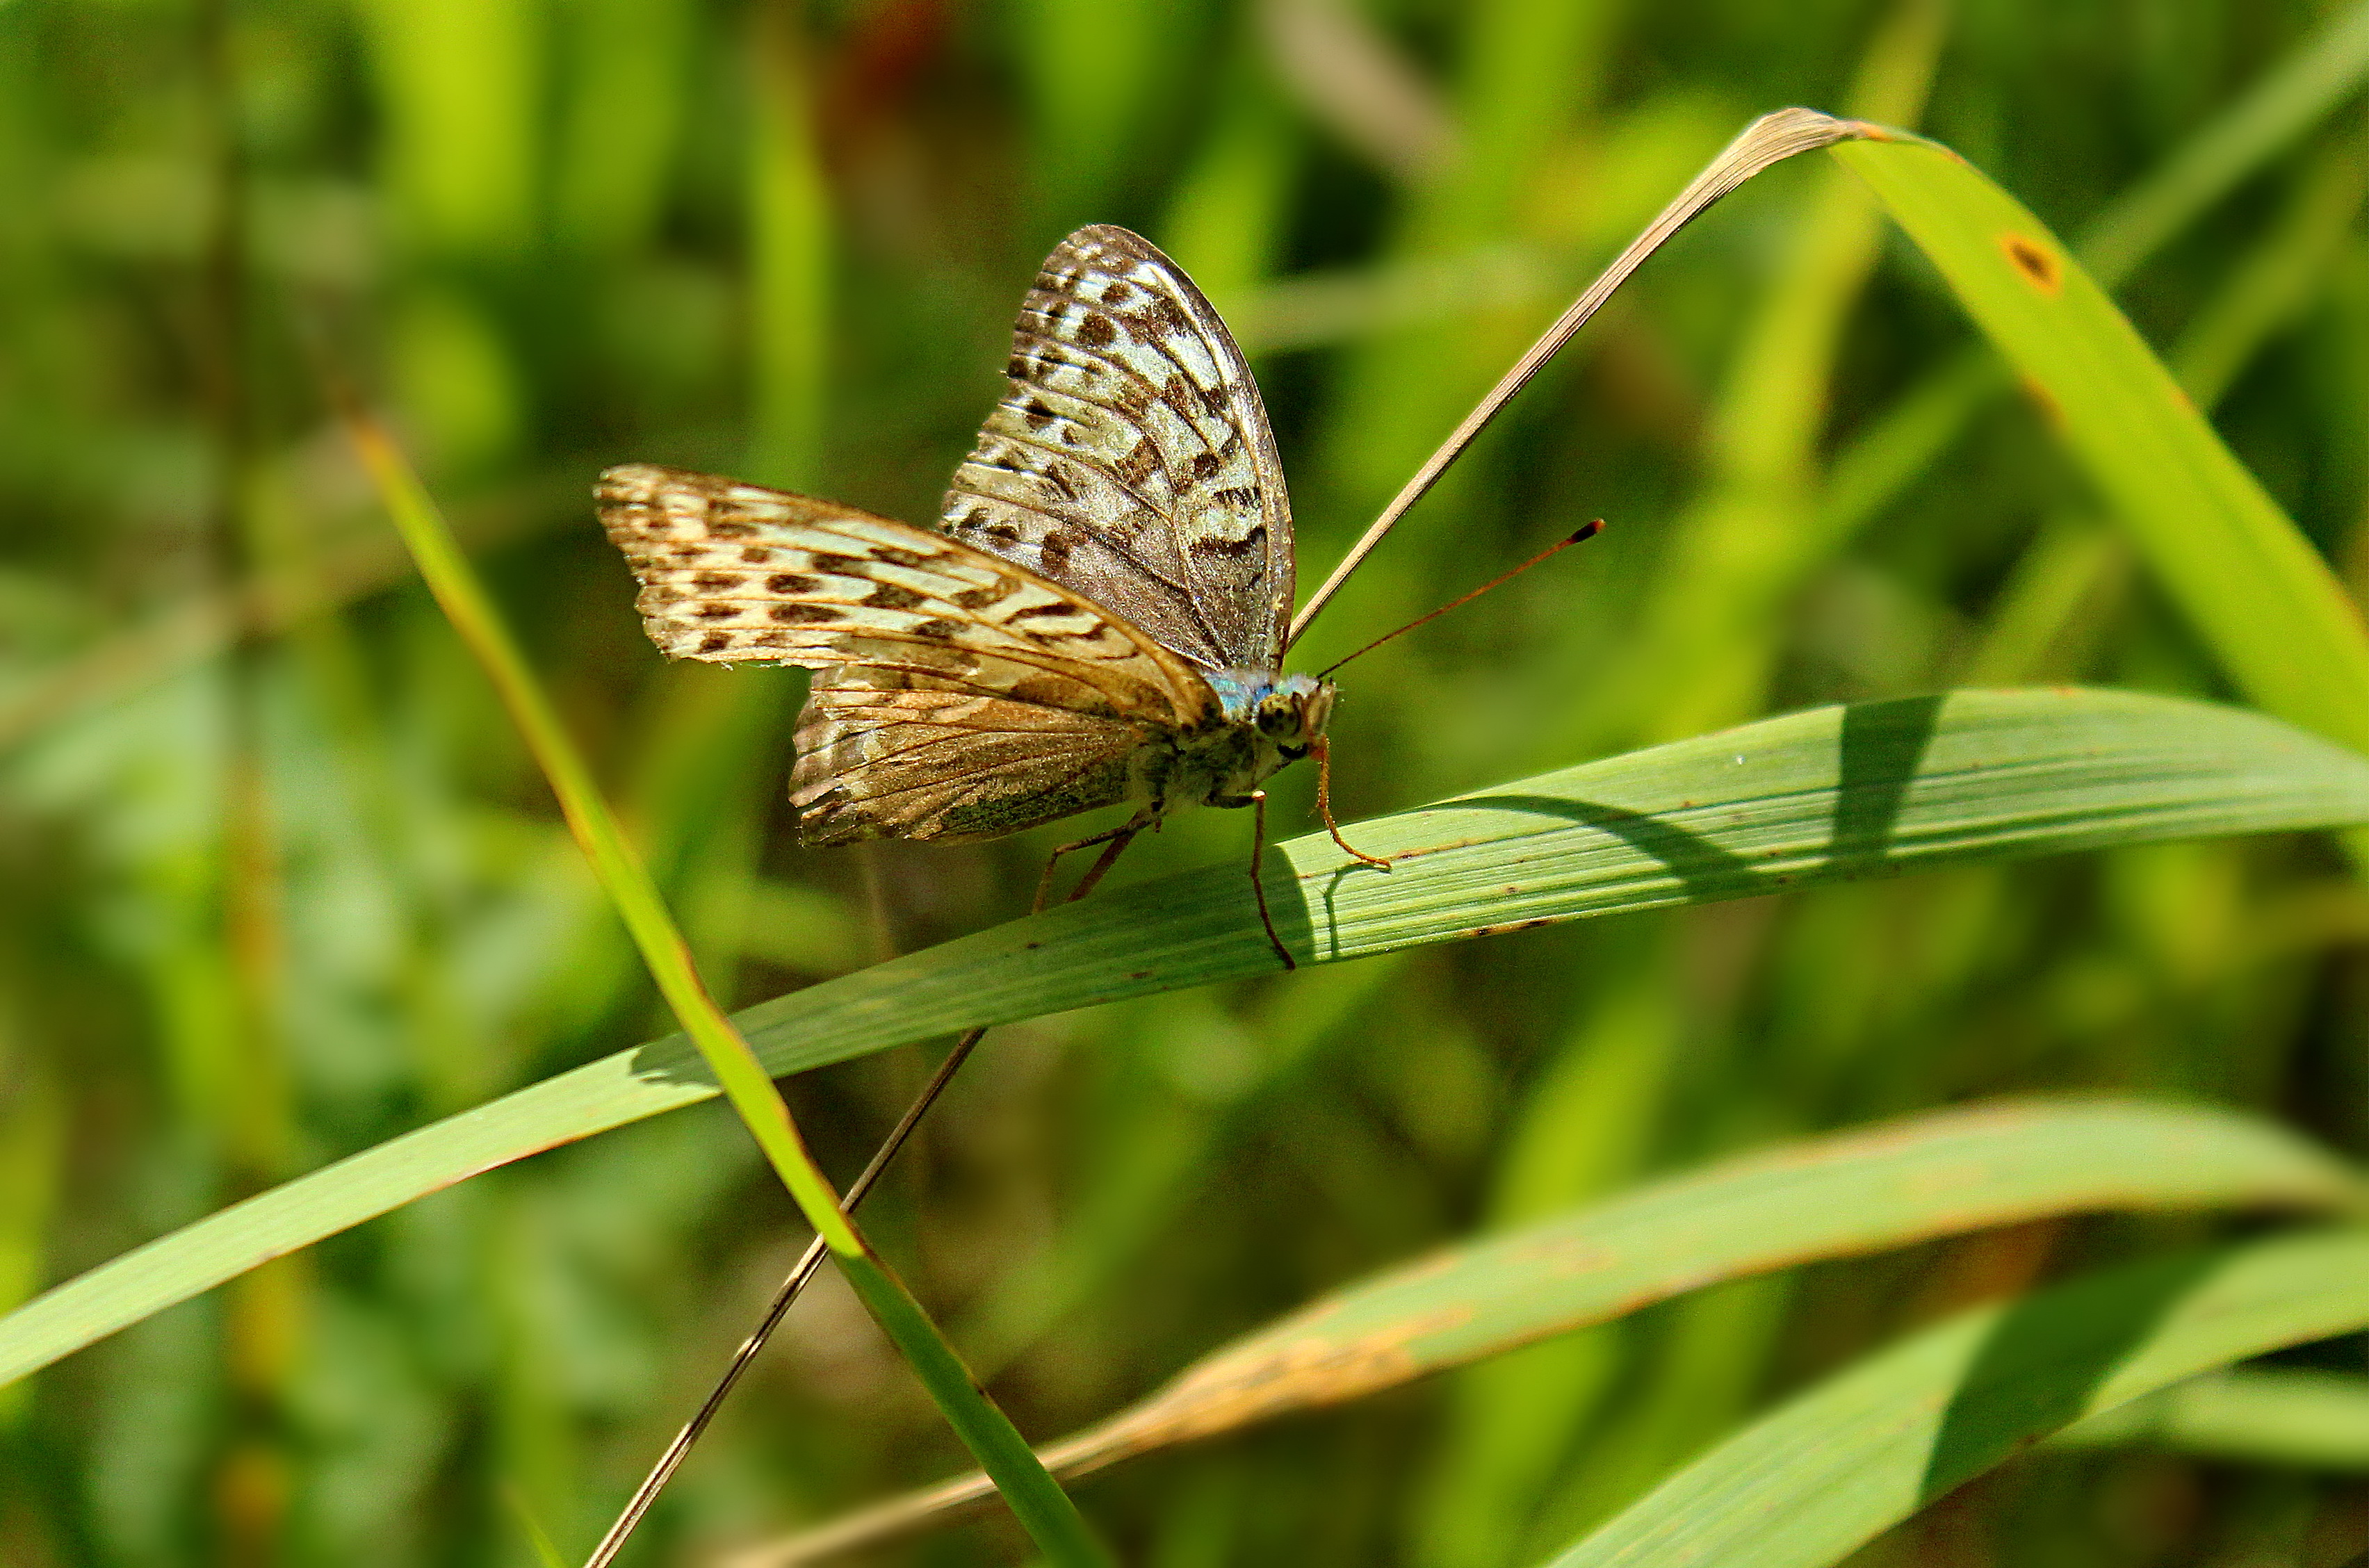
x=1133, y=399
x=803, y=614
x=792, y=582
x=1096, y=331
x=1169, y=316
x=888, y=596
x=1141, y=462
x=1211, y=544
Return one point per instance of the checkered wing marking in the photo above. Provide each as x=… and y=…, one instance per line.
x=1131, y=458
x=958, y=696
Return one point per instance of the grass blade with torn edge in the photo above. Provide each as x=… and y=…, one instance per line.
x=1859, y=1192
x=1809, y=1484
x=1051, y=1519
x=1831, y=795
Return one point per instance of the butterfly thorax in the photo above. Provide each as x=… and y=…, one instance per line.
x=1265, y=721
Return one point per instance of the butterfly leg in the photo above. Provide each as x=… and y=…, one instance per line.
x=1258, y=884
x=1322, y=746
x=1118, y=838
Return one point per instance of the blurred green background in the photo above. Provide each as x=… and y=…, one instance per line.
x=277, y=882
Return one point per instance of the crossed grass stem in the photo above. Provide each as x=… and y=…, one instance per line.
x=810, y=1261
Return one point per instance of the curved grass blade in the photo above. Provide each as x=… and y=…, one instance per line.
x=1050, y=1518
x=1811, y=1482
x=1860, y=1192
x=2261, y=595
x=1872, y=468
x=1832, y=794
x=2268, y=1416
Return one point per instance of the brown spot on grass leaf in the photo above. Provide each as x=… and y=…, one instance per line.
x=2034, y=261
x=2046, y=401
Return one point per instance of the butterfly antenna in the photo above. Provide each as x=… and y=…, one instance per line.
x=1589, y=532
x=1770, y=139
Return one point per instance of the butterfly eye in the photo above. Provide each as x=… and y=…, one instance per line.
x=1278, y=716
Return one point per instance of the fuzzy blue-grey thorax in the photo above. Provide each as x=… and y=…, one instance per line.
x=1246, y=694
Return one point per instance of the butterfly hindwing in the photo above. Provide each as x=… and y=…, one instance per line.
x=878, y=759
x=1131, y=460
x=958, y=694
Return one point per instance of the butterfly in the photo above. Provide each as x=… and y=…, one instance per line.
x=1099, y=617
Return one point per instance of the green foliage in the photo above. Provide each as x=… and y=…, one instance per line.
x=1051, y=1519
x=297, y=948
x=1823, y=1475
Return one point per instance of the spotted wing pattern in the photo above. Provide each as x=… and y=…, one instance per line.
x=1131, y=459
x=959, y=695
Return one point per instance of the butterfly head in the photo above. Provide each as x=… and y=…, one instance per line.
x=1288, y=713
x=1292, y=712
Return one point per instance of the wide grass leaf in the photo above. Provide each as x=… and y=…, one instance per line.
x=1944, y=1173
x=1809, y=1484
x=1827, y=796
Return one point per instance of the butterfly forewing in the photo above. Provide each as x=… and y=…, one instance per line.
x=959, y=695
x=1131, y=459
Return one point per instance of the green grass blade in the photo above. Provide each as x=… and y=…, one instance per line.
x=616, y=864
x=1860, y=1192
x=1741, y=550
x=2261, y=595
x=2268, y=1416
x=1873, y=468
x=1809, y=1484
x=538, y=1539
x=1050, y=1518
x=2322, y=73
x=1832, y=794
x=2278, y=277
